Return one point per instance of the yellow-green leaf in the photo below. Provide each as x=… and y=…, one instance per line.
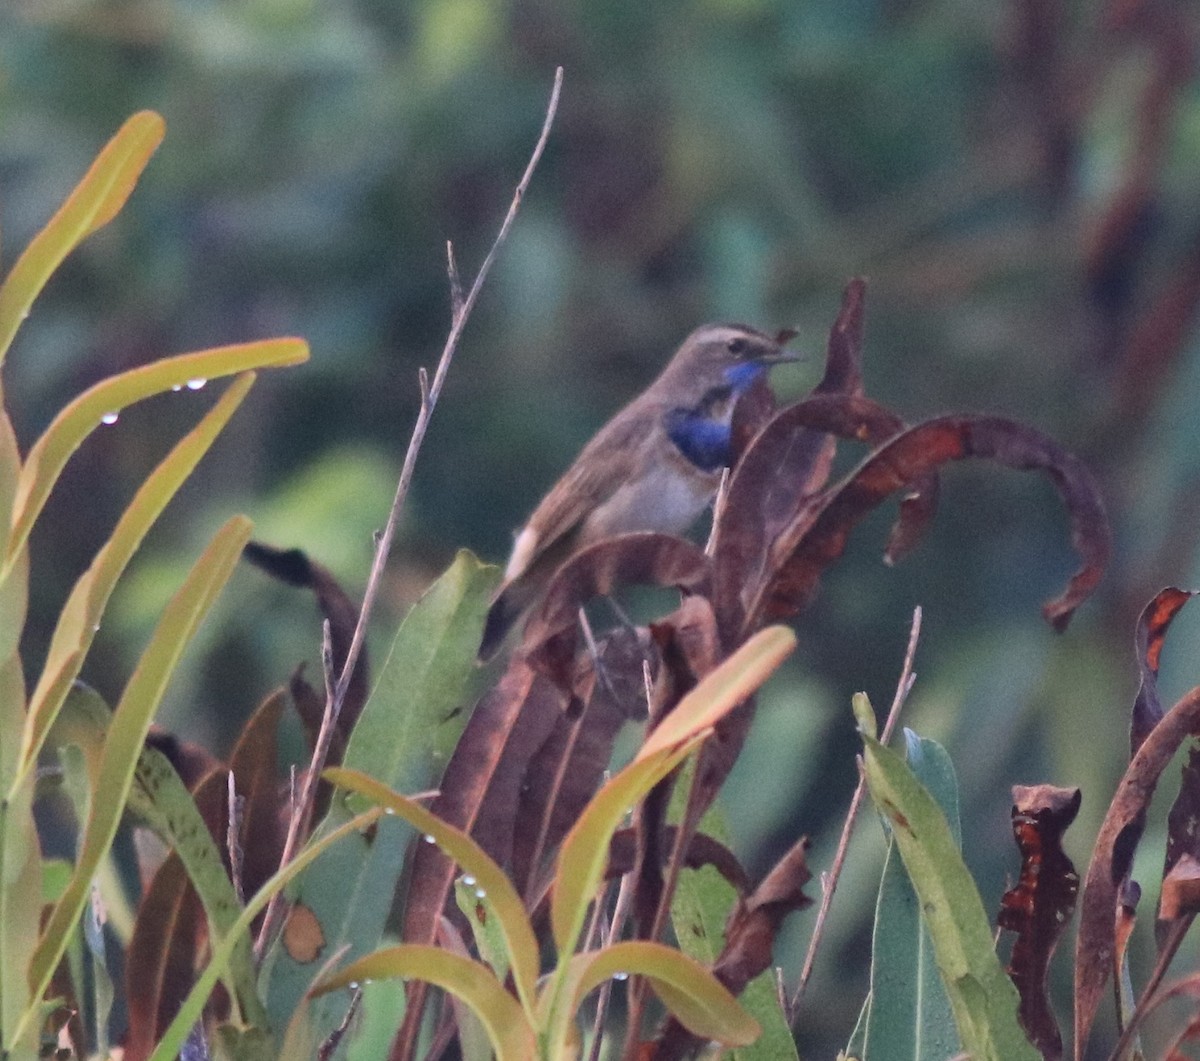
x=96, y=200
x=50, y=452
x=20, y=887
x=511, y=1034
x=690, y=991
x=584, y=851
x=189, y=1012
x=14, y=587
x=505, y=902
x=723, y=689
x=81, y=615
x=127, y=733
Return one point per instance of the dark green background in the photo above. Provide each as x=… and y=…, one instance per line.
x=1017, y=181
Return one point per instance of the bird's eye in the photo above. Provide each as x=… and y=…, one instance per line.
x=737, y=346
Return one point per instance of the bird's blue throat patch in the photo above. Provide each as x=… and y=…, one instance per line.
x=743, y=374
x=704, y=441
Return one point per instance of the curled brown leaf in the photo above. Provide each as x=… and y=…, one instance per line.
x=1151, y=633
x=1038, y=908
x=1112, y=857
x=817, y=537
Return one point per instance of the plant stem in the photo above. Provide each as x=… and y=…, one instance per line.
x=830, y=881
x=336, y=690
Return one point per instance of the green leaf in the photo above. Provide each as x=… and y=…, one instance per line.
x=512, y=921
x=96, y=200
x=382, y=1011
x=584, y=852
x=509, y=1030
x=909, y=1017
x=409, y=725
x=232, y=1043
x=14, y=587
x=406, y=731
x=70, y=427
x=686, y=988
x=160, y=797
x=84, y=608
x=476, y=906
x=126, y=734
x=699, y=911
x=981, y=994
x=56, y=875
x=20, y=890
x=189, y=1012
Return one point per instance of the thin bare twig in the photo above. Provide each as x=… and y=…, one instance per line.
x=458, y=323
x=336, y=690
x=829, y=881
x=302, y=808
x=456, y=292
x=615, y=928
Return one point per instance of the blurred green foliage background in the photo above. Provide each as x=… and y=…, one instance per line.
x=1017, y=181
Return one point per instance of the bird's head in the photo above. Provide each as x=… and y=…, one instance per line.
x=719, y=356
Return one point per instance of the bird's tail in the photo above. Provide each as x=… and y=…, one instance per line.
x=506, y=609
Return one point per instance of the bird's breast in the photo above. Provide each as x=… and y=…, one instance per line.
x=667, y=496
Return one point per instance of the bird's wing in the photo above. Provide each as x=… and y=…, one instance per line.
x=605, y=463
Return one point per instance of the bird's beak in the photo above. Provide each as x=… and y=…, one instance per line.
x=778, y=357
x=782, y=353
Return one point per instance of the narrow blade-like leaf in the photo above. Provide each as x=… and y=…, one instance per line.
x=96, y=200
x=173, y=1038
x=131, y=720
x=490, y=878
x=687, y=989
x=82, y=416
x=983, y=998
x=81, y=615
x=509, y=1030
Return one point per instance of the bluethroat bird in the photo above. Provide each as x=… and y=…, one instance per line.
x=655, y=466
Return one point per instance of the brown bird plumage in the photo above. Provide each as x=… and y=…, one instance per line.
x=655, y=466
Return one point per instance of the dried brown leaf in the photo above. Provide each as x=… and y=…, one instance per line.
x=1112, y=857
x=255, y=764
x=776, y=472
x=1040, y=905
x=780, y=479
x=648, y=559
x=480, y=789
x=161, y=960
x=569, y=767
x=1183, y=822
x=1151, y=633
x=294, y=567
x=815, y=539
x=1180, y=895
